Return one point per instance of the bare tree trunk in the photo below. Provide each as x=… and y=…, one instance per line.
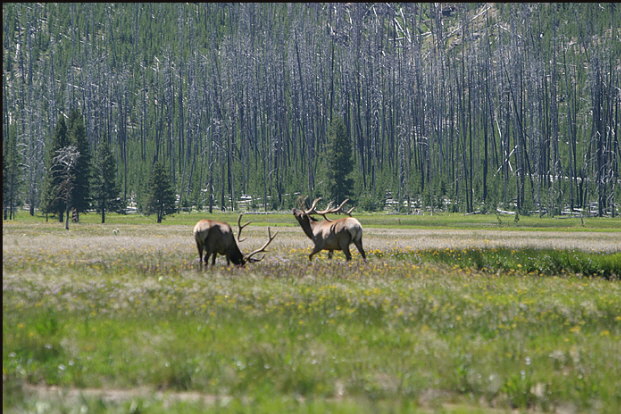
x=67, y=214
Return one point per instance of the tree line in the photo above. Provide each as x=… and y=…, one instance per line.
x=75, y=182
x=468, y=107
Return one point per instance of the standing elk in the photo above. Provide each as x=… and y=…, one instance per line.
x=215, y=237
x=331, y=235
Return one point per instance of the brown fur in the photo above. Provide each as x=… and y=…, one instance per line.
x=215, y=237
x=331, y=235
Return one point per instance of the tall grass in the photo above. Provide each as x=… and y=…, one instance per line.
x=409, y=330
x=505, y=260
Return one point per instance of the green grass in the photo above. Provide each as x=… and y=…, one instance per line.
x=436, y=220
x=547, y=262
x=425, y=330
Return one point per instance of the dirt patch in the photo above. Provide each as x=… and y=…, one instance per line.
x=116, y=396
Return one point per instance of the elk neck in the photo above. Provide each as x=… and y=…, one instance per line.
x=235, y=255
x=307, y=226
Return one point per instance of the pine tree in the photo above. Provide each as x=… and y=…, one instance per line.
x=11, y=177
x=339, y=162
x=81, y=189
x=65, y=163
x=105, y=187
x=161, y=195
x=51, y=202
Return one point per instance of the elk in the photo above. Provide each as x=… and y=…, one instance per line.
x=331, y=235
x=216, y=237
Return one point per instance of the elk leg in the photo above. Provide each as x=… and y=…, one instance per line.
x=360, y=249
x=345, y=247
x=314, y=252
x=200, y=252
x=213, y=258
x=347, y=253
x=330, y=253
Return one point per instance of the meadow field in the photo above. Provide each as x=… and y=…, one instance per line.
x=450, y=313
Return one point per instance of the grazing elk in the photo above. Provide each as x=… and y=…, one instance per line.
x=215, y=237
x=331, y=235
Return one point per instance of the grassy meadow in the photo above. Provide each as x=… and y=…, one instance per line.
x=451, y=313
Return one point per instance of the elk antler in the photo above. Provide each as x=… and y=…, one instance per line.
x=339, y=209
x=312, y=209
x=336, y=210
x=249, y=258
x=301, y=202
x=239, y=239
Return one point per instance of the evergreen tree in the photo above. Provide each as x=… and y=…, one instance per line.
x=65, y=163
x=81, y=189
x=105, y=187
x=161, y=195
x=11, y=177
x=51, y=202
x=339, y=162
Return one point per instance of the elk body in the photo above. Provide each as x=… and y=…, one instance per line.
x=215, y=237
x=328, y=234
